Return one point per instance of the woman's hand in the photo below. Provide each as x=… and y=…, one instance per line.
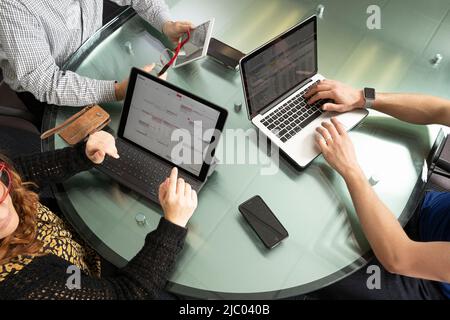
x=345, y=97
x=177, y=199
x=337, y=148
x=174, y=30
x=99, y=145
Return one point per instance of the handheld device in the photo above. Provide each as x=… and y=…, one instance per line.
x=224, y=54
x=197, y=45
x=263, y=221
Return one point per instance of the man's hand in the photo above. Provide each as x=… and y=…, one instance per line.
x=177, y=199
x=174, y=30
x=345, y=97
x=121, y=88
x=99, y=145
x=337, y=148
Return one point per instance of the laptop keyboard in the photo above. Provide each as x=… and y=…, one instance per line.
x=140, y=171
x=293, y=116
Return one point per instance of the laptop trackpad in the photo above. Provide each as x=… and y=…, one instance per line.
x=303, y=148
x=348, y=119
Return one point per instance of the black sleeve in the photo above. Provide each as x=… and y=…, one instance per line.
x=143, y=278
x=53, y=166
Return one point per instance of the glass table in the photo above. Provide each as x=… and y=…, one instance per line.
x=222, y=257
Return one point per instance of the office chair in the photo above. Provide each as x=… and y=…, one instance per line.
x=11, y=105
x=18, y=134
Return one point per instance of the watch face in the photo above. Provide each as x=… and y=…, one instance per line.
x=369, y=93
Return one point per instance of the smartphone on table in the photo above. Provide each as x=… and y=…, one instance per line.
x=263, y=221
x=224, y=54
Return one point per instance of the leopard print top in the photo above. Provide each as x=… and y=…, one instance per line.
x=58, y=239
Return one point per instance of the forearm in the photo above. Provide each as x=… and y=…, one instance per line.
x=384, y=233
x=151, y=267
x=53, y=86
x=26, y=47
x=390, y=243
x=143, y=278
x=52, y=166
x=394, y=249
x=414, y=108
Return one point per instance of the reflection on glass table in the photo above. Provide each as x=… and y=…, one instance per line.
x=222, y=257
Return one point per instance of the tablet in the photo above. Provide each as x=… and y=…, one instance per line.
x=197, y=47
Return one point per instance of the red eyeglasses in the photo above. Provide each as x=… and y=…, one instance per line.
x=5, y=178
x=180, y=45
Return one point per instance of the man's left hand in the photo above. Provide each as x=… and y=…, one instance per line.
x=337, y=148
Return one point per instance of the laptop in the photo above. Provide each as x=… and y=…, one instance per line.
x=150, y=143
x=275, y=77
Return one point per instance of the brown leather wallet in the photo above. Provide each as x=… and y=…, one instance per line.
x=82, y=124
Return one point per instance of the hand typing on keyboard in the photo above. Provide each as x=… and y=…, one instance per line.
x=343, y=97
x=178, y=199
x=293, y=116
x=99, y=145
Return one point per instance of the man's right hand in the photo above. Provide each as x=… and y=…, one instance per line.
x=121, y=88
x=177, y=199
x=345, y=98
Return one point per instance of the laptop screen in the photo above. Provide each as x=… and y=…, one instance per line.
x=279, y=66
x=155, y=114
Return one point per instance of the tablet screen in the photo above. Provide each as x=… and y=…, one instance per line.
x=157, y=110
x=197, y=46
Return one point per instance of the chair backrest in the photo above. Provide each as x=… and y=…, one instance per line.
x=9, y=98
x=11, y=105
x=16, y=122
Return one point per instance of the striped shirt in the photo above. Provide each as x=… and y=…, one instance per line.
x=38, y=36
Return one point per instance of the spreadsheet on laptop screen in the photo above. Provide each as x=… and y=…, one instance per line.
x=280, y=66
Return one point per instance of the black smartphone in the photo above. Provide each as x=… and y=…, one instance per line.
x=224, y=54
x=263, y=221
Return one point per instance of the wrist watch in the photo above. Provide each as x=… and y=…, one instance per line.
x=369, y=97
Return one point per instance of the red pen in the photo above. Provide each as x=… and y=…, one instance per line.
x=180, y=45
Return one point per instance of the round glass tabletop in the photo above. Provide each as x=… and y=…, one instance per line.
x=222, y=257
